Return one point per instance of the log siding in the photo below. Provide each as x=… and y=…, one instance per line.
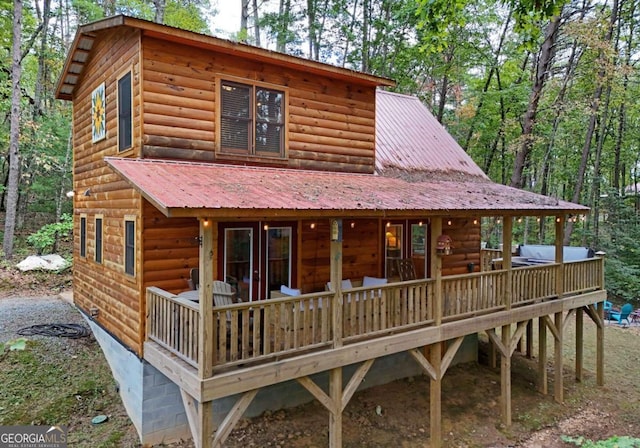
x=329, y=124
x=100, y=193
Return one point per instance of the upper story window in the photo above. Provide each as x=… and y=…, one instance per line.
x=251, y=120
x=125, y=116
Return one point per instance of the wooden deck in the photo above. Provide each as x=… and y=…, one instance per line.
x=258, y=344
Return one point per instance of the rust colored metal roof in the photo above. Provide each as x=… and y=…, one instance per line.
x=227, y=191
x=408, y=137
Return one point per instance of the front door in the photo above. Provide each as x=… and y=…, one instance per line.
x=278, y=262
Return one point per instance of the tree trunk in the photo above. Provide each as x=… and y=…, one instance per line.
x=595, y=110
x=366, y=17
x=542, y=73
x=244, y=19
x=256, y=23
x=160, y=6
x=487, y=83
x=14, y=154
x=40, y=77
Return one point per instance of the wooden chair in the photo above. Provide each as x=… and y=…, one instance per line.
x=406, y=269
x=222, y=293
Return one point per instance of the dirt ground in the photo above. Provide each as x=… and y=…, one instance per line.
x=395, y=415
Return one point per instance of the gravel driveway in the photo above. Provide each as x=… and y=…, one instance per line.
x=20, y=312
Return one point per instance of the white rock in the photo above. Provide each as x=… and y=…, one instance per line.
x=51, y=262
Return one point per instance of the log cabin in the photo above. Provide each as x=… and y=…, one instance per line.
x=344, y=221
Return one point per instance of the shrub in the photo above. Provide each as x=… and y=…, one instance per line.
x=46, y=239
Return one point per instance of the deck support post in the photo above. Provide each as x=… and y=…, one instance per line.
x=596, y=313
x=505, y=378
x=558, y=360
x=435, y=396
x=506, y=345
x=542, y=356
x=579, y=343
x=436, y=366
x=600, y=345
x=529, y=342
x=335, y=417
x=559, y=255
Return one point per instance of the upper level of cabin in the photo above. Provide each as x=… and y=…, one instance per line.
x=145, y=90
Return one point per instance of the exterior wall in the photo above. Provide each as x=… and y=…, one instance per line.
x=466, y=246
x=330, y=123
x=361, y=252
x=170, y=247
x=104, y=286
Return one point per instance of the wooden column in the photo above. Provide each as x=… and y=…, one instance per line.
x=579, y=343
x=505, y=377
x=335, y=418
x=436, y=270
x=558, y=364
x=507, y=240
x=600, y=345
x=435, y=396
x=560, y=255
x=204, y=418
x=335, y=233
x=542, y=356
x=529, y=342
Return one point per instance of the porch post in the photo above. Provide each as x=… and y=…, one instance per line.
x=507, y=241
x=560, y=255
x=335, y=417
x=505, y=376
x=436, y=270
x=335, y=227
x=205, y=337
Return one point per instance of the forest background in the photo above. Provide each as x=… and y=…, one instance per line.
x=541, y=93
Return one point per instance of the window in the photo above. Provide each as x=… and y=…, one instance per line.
x=129, y=247
x=83, y=236
x=99, y=240
x=278, y=257
x=125, y=122
x=251, y=120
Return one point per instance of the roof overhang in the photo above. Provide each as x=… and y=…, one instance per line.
x=190, y=189
x=86, y=35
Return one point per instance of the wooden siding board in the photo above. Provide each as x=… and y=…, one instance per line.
x=331, y=123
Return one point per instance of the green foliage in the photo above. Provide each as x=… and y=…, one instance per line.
x=44, y=240
x=613, y=442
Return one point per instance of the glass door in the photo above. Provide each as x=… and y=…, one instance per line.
x=393, y=249
x=278, y=259
x=238, y=265
x=419, y=248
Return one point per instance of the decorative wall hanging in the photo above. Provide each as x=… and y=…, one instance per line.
x=98, y=114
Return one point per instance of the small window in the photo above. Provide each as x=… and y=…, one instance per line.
x=83, y=236
x=98, y=240
x=129, y=247
x=125, y=122
x=251, y=120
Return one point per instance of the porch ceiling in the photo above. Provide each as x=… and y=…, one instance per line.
x=228, y=191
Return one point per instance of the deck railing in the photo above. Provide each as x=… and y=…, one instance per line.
x=272, y=329
x=173, y=323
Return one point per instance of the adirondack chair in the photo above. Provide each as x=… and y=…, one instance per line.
x=622, y=315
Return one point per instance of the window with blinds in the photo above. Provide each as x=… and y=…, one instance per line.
x=251, y=120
